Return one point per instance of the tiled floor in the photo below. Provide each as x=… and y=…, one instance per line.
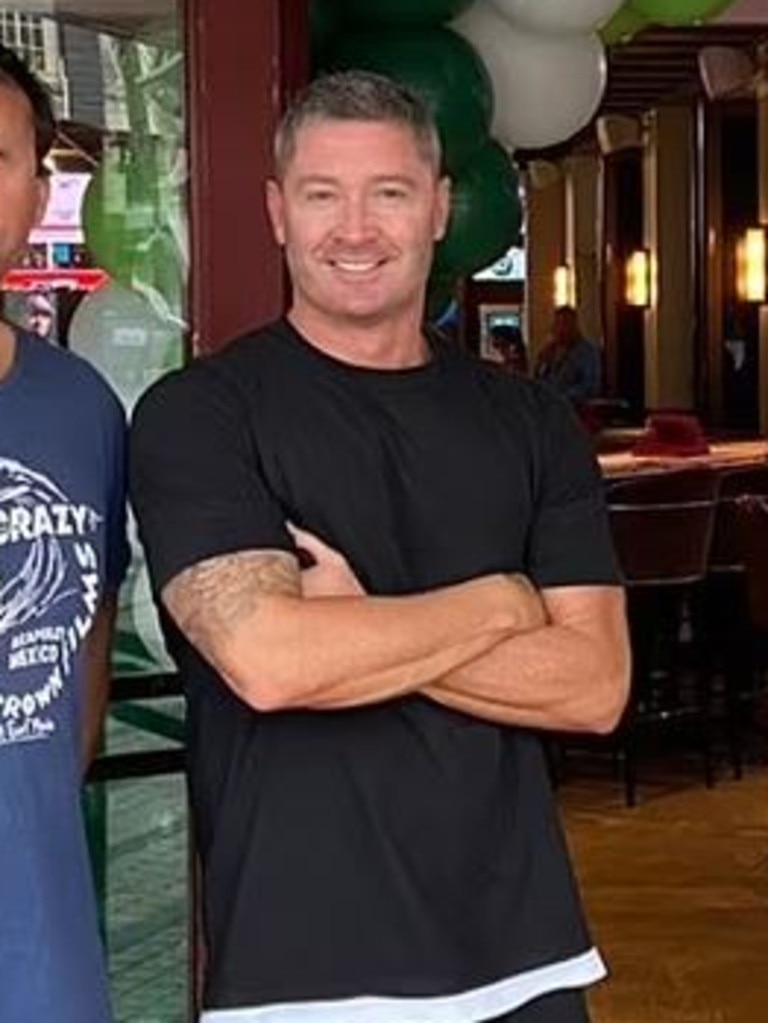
x=146, y=903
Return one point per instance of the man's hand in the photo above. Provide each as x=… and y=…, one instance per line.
x=329, y=574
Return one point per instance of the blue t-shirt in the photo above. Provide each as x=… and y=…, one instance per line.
x=62, y=547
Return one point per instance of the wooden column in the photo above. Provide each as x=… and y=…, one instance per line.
x=671, y=322
x=582, y=212
x=762, y=187
x=243, y=59
x=545, y=250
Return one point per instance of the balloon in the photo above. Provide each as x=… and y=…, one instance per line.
x=485, y=213
x=555, y=15
x=127, y=223
x=680, y=12
x=324, y=24
x=402, y=13
x=119, y=333
x=545, y=87
x=118, y=213
x=440, y=295
x=442, y=68
x=625, y=23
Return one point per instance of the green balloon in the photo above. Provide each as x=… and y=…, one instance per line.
x=485, y=213
x=324, y=24
x=403, y=13
x=104, y=219
x=442, y=68
x=625, y=23
x=680, y=12
x=121, y=225
x=440, y=293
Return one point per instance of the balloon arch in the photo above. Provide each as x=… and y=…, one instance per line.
x=498, y=75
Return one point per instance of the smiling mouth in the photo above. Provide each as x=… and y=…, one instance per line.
x=357, y=266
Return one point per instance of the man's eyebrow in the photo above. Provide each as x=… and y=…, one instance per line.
x=316, y=179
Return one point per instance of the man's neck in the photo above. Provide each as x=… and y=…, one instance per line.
x=393, y=344
x=7, y=349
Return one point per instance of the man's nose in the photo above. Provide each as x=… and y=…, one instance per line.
x=356, y=223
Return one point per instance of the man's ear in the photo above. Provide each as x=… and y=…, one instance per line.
x=442, y=208
x=274, y=197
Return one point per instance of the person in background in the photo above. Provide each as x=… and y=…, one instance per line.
x=508, y=347
x=569, y=361
x=383, y=564
x=40, y=316
x=63, y=553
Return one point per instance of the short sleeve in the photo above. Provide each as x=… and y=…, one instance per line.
x=570, y=541
x=195, y=476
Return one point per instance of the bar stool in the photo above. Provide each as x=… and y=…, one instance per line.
x=662, y=529
x=727, y=607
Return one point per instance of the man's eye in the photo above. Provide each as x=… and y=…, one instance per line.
x=392, y=192
x=319, y=195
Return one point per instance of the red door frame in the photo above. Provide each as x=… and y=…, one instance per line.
x=244, y=58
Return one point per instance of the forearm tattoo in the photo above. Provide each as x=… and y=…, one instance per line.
x=212, y=598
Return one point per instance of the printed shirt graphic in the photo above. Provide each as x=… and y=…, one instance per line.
x=62, y=546
x=49, y=593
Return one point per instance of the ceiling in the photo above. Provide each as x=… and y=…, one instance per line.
x=660, y=65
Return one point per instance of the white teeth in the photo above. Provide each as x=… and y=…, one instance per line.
x=355, y=268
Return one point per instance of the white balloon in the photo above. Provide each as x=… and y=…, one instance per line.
x=123, y=337
x=546, y=87
x=557, y=16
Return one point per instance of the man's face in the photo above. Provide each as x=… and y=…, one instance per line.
x=358, y=212
x=40, y=322
x=23, y=194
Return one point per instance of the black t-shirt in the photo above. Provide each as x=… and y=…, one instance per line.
x=401, y=849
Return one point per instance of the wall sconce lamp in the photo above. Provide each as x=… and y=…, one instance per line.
x=637, y=283
x=564, y=290
x=751, y=276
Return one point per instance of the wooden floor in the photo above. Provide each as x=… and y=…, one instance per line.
x=677, y=895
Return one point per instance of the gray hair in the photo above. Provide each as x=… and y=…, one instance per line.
x=357, y=96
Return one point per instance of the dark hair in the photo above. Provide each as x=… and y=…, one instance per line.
x=507, y=334
x=357, y=96
x=508, y=341
x=15, y=74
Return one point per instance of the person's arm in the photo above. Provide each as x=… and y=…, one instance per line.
x=96, y=655
x=280, y=648
x=570, y=675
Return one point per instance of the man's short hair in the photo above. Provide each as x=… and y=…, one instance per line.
x=357, y=96
x=15, y=74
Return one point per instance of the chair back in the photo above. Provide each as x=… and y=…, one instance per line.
x=753, y=513
x=662, y=526
x=728, y=542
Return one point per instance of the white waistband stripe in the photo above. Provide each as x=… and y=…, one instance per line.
x=482, y=1003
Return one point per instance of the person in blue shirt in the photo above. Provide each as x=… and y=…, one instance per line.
x=63, y=554
x=570, y=362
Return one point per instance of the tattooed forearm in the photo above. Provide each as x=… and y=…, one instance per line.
x=212, y=598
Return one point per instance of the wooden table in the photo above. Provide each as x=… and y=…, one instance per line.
x=722, y=455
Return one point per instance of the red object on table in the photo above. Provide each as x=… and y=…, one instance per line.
x=672, y=433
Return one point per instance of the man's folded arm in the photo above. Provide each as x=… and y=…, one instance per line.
x=572, y=674
x=245, y=613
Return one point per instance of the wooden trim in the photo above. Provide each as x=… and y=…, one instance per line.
x=712, y=301
x=243, y=60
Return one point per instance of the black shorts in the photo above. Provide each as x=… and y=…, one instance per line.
x=559, y=1007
